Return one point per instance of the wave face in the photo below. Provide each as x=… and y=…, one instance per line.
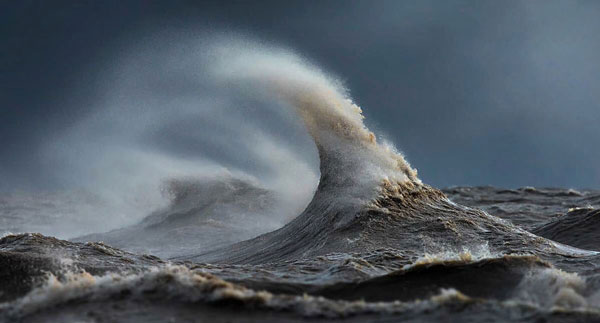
x=578, y=228
x=202, y=214
x=374, y=243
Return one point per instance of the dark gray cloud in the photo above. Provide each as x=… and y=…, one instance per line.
x=474, y=92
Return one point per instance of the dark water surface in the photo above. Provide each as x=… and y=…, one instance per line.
x=411, y=255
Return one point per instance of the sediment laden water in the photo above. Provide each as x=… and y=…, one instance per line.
x=375, y=243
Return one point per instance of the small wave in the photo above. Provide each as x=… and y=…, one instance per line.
x=203, y=214
x=181, y=284
x=580, y=228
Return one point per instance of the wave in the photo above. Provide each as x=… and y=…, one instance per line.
x=85, y=278
x=491, y=278
x=578, y=228
x=526, y=207
x=203, y=214
x=374, y=239
x=368, y=195
x=177, y=283
x=26, y=260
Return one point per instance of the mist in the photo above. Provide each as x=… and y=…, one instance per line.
x=477, y=93
x=165, y=115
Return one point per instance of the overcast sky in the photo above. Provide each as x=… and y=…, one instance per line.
x=505, y=93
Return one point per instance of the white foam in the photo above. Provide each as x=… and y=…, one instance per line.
x=553, y=288
x=467, y=254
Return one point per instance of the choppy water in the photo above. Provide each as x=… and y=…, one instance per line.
x=373, y=244
x=391, y=272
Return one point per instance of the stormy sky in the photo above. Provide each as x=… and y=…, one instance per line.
x=503, y=93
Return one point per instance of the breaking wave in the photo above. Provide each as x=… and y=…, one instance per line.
x=373, y=241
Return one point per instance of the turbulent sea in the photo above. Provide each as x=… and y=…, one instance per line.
x=373, y=244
